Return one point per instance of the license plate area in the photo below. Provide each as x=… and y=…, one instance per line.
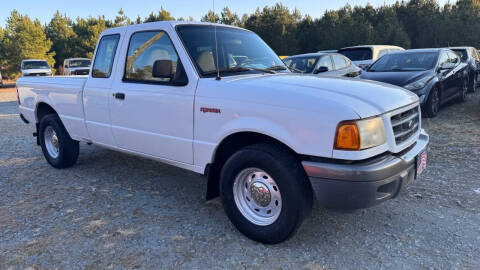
x=421, y=163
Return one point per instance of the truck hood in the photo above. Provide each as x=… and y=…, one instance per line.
x=308, y=92
x=36, y=70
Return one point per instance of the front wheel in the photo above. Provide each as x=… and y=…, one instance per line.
x=432, y=104
x=59, y=149
x=473, y=83
x=464, y=89
x=265, y=193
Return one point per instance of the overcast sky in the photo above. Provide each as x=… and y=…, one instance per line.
x=44, y=9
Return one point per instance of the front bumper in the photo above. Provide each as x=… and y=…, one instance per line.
x=364, y=184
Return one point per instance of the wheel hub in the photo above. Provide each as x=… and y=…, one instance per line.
x=260, y=194
x=51, y=142
x=257, y=196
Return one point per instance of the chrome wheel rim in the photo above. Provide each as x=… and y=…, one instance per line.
x=257, y=196
x=435, y=101
x=51, y=142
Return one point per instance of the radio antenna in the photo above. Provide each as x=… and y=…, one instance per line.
x=216, y=43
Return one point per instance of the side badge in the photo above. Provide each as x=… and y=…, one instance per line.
x=210, y=110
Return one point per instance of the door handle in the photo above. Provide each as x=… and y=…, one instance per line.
x=119, y=96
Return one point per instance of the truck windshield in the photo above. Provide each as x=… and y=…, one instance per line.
x=240, y=51
x=357, y=54
x=405, y=62
x=80, y=63
x=35, y=65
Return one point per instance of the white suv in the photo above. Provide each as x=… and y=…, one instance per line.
x=364, y=55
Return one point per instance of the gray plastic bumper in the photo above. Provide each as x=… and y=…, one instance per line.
x=363, y=184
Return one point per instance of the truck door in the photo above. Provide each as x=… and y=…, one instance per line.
x=97, y=91
x=153, y=115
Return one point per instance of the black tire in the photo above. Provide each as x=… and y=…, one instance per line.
x=432, y=105
x=292, y=181
x=472, y=83
x=68, y=148
x=464, y=89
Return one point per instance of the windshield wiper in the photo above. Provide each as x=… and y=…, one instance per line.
x=277, y=68
x=238, y=69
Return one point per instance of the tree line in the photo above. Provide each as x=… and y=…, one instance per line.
x=410, y=24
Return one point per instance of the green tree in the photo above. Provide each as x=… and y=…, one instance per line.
x=211, y=17
x=60, y=32
x=389, y=30
x=228, y=17
x=88, y=31
x=277, y=26
x=24, y=39
x=121, y=19
x=162, y=15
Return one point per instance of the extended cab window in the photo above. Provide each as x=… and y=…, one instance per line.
x=149, y=49
x=102, y=67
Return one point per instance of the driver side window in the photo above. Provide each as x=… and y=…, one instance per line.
x=326, y=61
x=146, y=48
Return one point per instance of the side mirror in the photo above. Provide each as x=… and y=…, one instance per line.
x=321, y=69
x=162, y=69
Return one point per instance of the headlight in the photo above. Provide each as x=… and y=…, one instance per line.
x=361, y=134
x=419, y=84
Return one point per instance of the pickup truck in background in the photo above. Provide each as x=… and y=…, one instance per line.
x=76, y=66
x=216, y=100
x=35, y=67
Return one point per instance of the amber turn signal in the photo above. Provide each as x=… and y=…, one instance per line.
x=348, y=137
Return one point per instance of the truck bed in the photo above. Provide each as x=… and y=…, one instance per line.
x=64, y=93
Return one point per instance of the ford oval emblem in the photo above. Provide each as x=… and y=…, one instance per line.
x=410, y=124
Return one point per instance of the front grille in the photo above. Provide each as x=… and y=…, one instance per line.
x=405, y=124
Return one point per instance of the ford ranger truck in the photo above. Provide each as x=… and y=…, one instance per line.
x=216, y=100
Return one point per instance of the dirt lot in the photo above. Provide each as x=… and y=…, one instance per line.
x=114, y=211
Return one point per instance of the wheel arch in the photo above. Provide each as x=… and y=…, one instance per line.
x=229, y=145
x=43, y=109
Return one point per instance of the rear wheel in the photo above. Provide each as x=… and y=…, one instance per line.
x=433, y=103
x=59, y=149
x=265, y=193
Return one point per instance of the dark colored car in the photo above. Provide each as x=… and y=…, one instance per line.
x=435, y=75
x=326, y=64
x=470, y=56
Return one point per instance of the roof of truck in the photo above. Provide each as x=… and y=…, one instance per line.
x=151, y=25
x=78, y=58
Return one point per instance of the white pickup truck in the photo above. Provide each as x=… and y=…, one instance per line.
x=218, y=101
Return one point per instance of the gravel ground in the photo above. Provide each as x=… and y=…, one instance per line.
x=114, y=211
